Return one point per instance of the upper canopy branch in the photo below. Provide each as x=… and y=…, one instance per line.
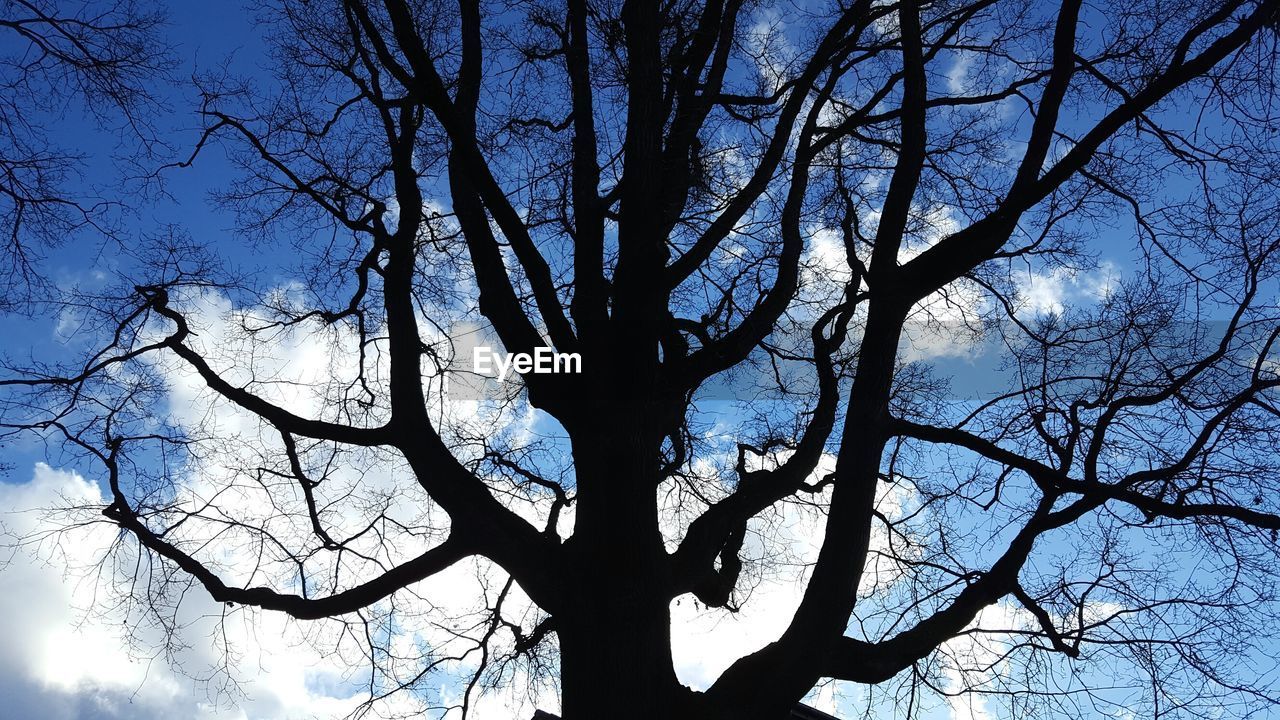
x=851, y=23
x=427, y=84
x=959, y=252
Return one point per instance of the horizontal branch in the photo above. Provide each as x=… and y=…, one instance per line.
x=401, y=576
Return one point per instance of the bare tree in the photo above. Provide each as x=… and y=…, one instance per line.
x=660, y=188
x=105, y=59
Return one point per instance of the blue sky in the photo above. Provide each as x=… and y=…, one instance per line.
x=204, y=36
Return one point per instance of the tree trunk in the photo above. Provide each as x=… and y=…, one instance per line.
x=618, y=666
x=615, y=640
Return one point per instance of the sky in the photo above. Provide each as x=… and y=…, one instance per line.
x=65, y=655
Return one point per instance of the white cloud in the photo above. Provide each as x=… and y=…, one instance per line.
x=1052, y=292
x=81, y=670
x=958, y=73
x=767, y=36
x=971, y=661
x=64, y=658
x=69, y=658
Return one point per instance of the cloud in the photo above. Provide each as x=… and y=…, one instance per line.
x=74, y=669
x=1054, y=291
x=773, y=51
x=65, y=657
x=958, y=74
x=974, y=659
x=77, y=650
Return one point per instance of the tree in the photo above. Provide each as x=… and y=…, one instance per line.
x=661, y=188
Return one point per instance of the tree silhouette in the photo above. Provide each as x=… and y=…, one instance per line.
x=738, y=215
